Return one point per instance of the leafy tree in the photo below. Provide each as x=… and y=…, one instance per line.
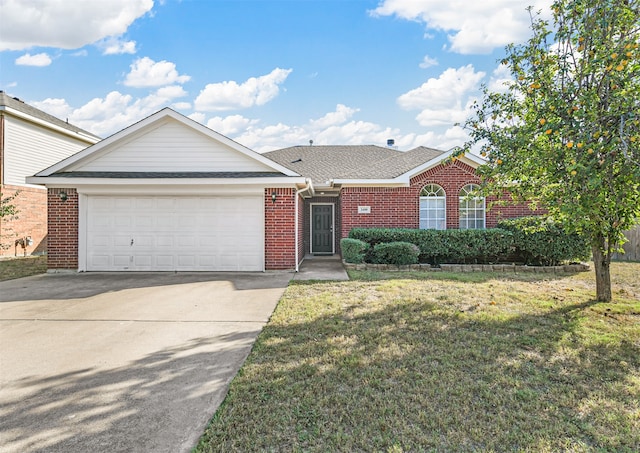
x=565, y=131
x=7, y=209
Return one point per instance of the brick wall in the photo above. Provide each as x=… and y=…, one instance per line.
x=279, y=219
x=30, y=221
x=63, y=230
x=399, y=207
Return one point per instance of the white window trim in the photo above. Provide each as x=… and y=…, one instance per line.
x=466, y=198
x=444, y=198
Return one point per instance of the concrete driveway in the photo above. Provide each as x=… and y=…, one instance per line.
x=135, y=362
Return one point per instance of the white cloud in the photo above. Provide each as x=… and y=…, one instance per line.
x=500, y=79
x=40, y=59
x=473, y=27
x=66, y=24
x=230, y=95
x=230, y=125
x=333, y=128
x=339, y=116
x=446, y=100
x=116, y=46
x=181, y=106
x=56, y=107
x=427, y=62
x=448, y=89
x=114, y=112
x=147, y=73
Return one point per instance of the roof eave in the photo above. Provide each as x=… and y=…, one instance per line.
x=66, y=182
x=396, y=182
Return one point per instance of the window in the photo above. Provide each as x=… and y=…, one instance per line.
x=471, y=208
x=433, y=208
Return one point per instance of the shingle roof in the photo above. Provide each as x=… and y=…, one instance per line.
x=17, y=104
x=164, y=174
x=323, y=163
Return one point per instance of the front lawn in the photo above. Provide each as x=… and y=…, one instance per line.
x=444, y=362
x=18, y=267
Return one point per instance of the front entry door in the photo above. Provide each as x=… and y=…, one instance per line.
x=322, y=229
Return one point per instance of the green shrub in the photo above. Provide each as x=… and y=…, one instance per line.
x=540, y=241
x=399, y=253
x=444, y=246
x=353, y=250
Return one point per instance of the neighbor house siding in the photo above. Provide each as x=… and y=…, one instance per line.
x=279, y=219
x=63, y=230
x=29, y=148
x=399, y=207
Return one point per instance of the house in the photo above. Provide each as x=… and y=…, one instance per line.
x=373, y=186
x=30, y=140
x=169, y=194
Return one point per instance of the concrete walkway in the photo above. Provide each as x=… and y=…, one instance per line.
x=123, y=362
x=321, y=268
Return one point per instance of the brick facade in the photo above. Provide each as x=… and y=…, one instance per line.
x=29, y=222
x=390, y=207
x=63, y=230
x=398, y=207
x=279, y=229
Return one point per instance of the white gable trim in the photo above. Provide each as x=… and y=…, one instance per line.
x=470, y=159
x=150, y=122
x=65, y=182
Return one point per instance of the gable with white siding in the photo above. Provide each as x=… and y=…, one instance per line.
x=171, y=147
x=167, y=142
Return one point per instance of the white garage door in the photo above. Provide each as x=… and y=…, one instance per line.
x=175, y=233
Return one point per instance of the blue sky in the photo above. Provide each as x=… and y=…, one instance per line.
x=268, y=74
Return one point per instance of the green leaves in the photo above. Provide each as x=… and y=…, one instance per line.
x=567, y=130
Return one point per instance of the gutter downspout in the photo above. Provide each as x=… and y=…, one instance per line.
x=298, y=192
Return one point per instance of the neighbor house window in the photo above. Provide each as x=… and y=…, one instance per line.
x=433, y=208
x=471, y=208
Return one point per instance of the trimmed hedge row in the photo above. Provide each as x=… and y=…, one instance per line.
x=542, y=242
x=531, y=240
x=400, y=253
x=442, y=246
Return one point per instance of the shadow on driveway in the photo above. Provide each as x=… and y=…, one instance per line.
x=124, y=362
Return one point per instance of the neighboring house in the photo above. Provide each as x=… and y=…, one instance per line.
x=30, y=140
x=169, y=194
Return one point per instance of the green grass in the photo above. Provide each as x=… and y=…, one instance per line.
x=441, y=362
x=19, y=267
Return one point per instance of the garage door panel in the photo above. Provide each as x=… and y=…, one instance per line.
x=121, y=261
x=175, y=233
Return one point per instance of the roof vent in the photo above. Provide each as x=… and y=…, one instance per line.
x=390, y=142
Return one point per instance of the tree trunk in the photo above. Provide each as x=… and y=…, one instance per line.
x=601, y=263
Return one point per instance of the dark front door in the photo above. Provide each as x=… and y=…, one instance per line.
x=322, y=229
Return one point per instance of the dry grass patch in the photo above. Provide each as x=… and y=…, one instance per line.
x=458, y=362
x=19, y=267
